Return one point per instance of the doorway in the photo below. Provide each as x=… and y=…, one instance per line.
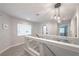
x=63, y=30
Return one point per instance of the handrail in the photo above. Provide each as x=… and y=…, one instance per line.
x=71, y=47
x=56, y=36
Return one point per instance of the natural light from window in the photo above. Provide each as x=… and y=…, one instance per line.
x=23, y=29
x=44, y=29
x=62, y=30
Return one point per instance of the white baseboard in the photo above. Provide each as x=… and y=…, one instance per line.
x=17, y=44
x=4, y=50
x=11, y=47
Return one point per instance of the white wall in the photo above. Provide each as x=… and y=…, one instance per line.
x=36, y=29
x=4, y=34
x=73, y=27
x=9, y=37
x=16, y=39
x=77, y=14
x=51, y=27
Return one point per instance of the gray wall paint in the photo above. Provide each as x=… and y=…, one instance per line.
x=73, y=27
x=5, y=38
x=16, y=39
x=51, y=27
x=36, y=29
x=9, y=37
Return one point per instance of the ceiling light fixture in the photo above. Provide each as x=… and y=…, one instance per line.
x=57, y=12
x=57, y=16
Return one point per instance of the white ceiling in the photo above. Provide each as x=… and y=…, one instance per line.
x=28, y=11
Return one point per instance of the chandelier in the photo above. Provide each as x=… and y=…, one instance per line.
x=57, y=12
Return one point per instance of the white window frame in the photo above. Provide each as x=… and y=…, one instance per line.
x=22, y=29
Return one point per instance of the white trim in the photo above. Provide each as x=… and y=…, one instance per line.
x=32, y=52
x=11, y=47
x=71, y=47
x=4, y=50
x=29, y=51
x=17, y=44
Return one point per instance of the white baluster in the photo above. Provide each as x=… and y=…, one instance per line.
x=41, y=48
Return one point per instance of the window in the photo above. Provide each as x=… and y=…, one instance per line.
x=62, y=30
x=23, y=29
x=44, y=29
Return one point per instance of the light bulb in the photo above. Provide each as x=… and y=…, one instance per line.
x=55, y=17
x=59, y=21
x=58, y=18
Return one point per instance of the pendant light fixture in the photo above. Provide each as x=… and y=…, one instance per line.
x=57, y=12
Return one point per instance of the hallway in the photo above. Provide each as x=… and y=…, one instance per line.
x=36, y=24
